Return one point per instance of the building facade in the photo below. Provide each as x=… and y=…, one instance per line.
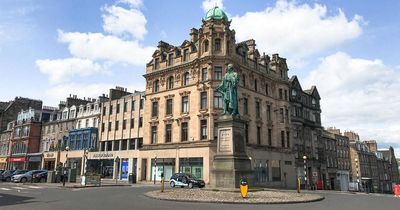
x=5, y=140
x=182, y=105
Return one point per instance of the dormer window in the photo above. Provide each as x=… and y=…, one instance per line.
x=217, y=44
x=157, y=63
x=170, y=59
x=185, y=55
x=313, y=102
x=294, y=92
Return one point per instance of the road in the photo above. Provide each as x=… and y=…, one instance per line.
x=43, y=197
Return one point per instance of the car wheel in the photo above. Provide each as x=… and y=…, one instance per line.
x=42, y=180
x=172, y=184
x=190, y=185
x=8, y=179
x=23, y=180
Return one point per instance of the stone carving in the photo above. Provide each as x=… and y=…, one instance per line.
x=228, y=89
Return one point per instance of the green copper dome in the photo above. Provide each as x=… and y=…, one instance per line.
x=216, y=13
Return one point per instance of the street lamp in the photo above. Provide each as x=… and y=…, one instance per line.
x=65, y=165
x=305, y=170
x=358, y=177
x=116, y=169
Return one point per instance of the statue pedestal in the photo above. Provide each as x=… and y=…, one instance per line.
x=231, y=162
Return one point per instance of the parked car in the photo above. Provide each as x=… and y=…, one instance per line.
x=6, y=175
x=186, y=180
x=40, y=177
x=25, y=177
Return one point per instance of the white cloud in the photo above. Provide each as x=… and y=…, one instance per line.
x=360, y=95
x=120, y=21
x=296, y=30
x=60, y=70
x=209, y=4
x=132, y=3
x=97, y=46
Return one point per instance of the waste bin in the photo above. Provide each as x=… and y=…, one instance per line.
x=51, y=176
x=132, y=178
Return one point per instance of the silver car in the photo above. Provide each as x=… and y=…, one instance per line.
x=26, y=177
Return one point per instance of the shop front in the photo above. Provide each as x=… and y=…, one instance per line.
x=34, y=161
x=192, y=165
x=3, y=163
x=15, y=163
x=101, y=163
x=49, y=161
x=162, y=165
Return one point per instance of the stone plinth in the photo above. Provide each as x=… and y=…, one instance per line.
x=231, y=162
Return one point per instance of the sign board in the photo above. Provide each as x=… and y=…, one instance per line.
x=18, y=159
x=225, y=143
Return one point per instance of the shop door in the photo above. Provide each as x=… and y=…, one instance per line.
x=144, y=169
x=124, y=169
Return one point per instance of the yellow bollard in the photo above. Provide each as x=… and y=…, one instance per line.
x=298, y=184
x=244, y=187
x=162, y=182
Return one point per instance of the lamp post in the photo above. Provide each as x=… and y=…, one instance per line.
x=358, y=177
x=65, y=165
x=305, y=171
x=155, y=169
x=116, y=169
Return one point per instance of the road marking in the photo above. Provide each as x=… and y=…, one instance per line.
x=35, y=187
x=6, y=189
x=19, y=188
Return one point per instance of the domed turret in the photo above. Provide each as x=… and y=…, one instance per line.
x=216, y=14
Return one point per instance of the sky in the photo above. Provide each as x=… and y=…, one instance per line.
x=348, y=49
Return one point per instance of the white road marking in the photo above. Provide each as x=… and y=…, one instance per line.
x=6, y=189
x=19, y=188
x=34, y=187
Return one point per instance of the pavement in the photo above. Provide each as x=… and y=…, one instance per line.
x=49, y=197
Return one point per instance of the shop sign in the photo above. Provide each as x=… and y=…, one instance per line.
x=35, y=159
x=50, y=155
x=3, y=160
x=103, y=155
x=18, y=159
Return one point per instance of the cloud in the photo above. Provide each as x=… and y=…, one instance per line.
x=120, y=21
x=209, y=4
x=97, y=46
x=296, y=30
x=359, y=94
x=60, y=70
x=132, y=3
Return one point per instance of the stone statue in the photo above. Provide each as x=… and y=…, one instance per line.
x=228, y=88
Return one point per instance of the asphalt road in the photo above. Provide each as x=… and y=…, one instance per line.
x=44, y=197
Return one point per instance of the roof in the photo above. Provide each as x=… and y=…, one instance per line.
x=216, y=14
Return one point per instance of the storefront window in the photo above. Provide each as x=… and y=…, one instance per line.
x=191, y=165
x=164, y=165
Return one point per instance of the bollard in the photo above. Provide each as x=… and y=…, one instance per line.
x=298, y=184
x=162, y=182
x=244, y=187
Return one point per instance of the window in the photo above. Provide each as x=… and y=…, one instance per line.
x=154, y=109
x=258, y=135
x=286, y=95
x=169, y=107
x=157, y=63
x=258, y=113
x=170, y=59
x=203, y=100
x=170, y=82
x=185, y=55
x=255, y=85
x=140, y=122
x=141, y=103
x=280, y=93
x=203, y=129
x=269, y=136
x=269, y=117
x=111, y=108
x=244, y=80
x=116, y=125
x=117, y=108
x=104, y=110
x=245, y=106
x=287, y=139
x=276, y=170
x=87, y=123
x=153, y=134
x=133, y=105
x=287, y=115
x=186, y=79
x=102, y=127
x=281, y=120
x=218, y=101
x=266, y=89
x=109, y=126
x=217, y=44
x=185, y=104
x=283, y=138
x=168, y=133
x=206, y=46
x=217, y=73
x=123, y=124
x=156, y=86
x=204, y=74
x=246, y=132
x=184, y=131
x=132, y=123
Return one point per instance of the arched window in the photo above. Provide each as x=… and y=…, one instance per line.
x=217, y=44
x=206, y=46
x=186, y=78
x=156, y=86
x=170, y=82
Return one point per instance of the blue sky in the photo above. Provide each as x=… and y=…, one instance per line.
x=349, y=49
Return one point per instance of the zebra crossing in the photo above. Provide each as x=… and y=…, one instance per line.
x=19, y=188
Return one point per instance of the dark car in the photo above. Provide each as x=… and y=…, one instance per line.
x=25, y=177
x=186, y=179
x=40, y=177
x=6, y=175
